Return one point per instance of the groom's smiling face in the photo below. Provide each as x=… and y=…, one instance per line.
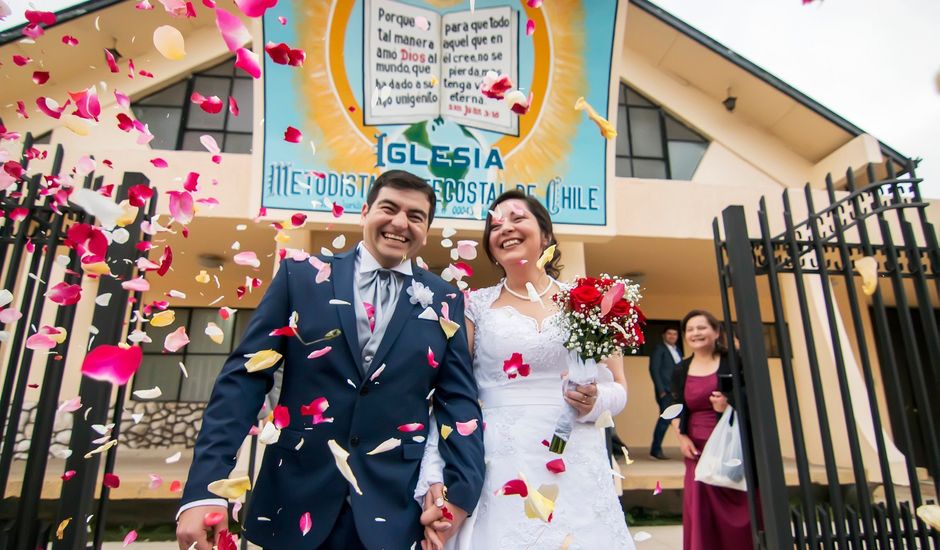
x=395, y=226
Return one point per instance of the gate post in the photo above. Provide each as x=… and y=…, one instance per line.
x=760, y=411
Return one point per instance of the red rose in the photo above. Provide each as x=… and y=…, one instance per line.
x=619, y=309
x=585, y=296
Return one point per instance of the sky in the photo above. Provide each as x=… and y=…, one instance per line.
x=874, y=62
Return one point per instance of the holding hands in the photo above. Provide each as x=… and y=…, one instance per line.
x=440, y=518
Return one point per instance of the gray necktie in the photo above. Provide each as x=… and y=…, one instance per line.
x=381, y=291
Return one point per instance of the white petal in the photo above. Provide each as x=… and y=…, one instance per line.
x=672, y=411
x=103, y=300
x=339, y=242
x=385, y=446
x=174, y=458
x=152, y=393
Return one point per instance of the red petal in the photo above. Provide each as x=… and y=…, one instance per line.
x=175, y=486
x=213, y=518
x=40, y=77
x=515, y=487
x=413, y=427
x=140, y=193
x=293, y=135
x=192, y=182
x=112, y=481
x=86, y=104
x=255, y=8
x=166, y=259
x=337, y=210
x=232, y=106
x=69, y=40
x=283, y=331
x=21, y=109
x=279, y=53
x=556, y=466
x=157, y=163
x=112, y=64
x=298, y=220
x=40, y=17
x=447, y=514
x=65, y=294
x=20, y=60
x=281, y=417
x=44, y=105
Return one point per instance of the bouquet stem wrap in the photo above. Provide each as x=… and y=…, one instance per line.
x=580, y=371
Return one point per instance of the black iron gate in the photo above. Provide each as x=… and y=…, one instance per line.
x=876, y=235
x=33, y=239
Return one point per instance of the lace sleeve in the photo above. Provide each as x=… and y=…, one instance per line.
x=478, y=301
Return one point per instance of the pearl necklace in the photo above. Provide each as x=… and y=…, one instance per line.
x=523, y=297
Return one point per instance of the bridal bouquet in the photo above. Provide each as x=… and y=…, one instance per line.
x=602, y=319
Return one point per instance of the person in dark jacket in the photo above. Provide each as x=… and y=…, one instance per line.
x=663, y=363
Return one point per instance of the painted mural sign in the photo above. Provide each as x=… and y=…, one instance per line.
x=392, y=84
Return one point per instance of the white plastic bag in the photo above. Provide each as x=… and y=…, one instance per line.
x=722, y=460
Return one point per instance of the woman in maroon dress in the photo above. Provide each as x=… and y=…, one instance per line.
x=712, y=517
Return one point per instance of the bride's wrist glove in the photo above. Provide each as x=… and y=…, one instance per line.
x=611, y=396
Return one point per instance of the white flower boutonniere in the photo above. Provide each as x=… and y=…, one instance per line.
x=420, y=294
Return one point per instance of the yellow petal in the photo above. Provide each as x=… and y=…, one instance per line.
x=341, y=455
x=281, y=237
x=538, y=505
x=61, y=336
x=203, y=277
x=60, y=530
x=446, y=430
x=867, y=267
x=930, y=513
x=97, y=268
x=264, y=359
x=546, y=257
x=567, y=542
x=450, y=327
x=129, y=216
x=163, y=319
x=78, y=126
x=385, y=446
x=607, y=129
x=230, y=488
x=434, y=80
x=605, y=420
x=101, y=449
x=215, y=333
x=169, y=42
x=626, y=455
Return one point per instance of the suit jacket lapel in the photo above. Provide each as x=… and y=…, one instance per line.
x=404, y=310
x=343, y=279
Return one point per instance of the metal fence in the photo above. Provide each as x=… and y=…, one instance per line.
x=816, y=263
x=32, y=241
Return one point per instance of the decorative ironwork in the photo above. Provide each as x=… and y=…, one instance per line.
x=822, y=251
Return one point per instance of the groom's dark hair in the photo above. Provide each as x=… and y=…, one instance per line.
x=401, y=179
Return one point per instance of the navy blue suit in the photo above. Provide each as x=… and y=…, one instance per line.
x=302, y=477
x=662, y=367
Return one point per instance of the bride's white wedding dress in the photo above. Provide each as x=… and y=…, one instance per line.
x=518, y=414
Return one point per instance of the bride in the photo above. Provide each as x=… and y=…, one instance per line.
x=522, y=399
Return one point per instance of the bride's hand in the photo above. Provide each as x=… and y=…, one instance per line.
x=582, y=398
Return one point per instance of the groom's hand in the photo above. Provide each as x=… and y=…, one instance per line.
x=191, y=528
x=440, y=518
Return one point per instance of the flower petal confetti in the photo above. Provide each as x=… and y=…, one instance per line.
x=607, y=129
x=152, y=393
x=434, y=364
x=169, y=42
x=320, y=352
x=515, y=367
x=341, y=456
x=495, y=85
x=556, y=466
x=468, y=427
x=293, y=135
x=176, y=340
x=413, y=427
x=930, y=514
x=232, y=29
x=518, y=102
x=113, y=364
x=672, y=411
x=262, y=360
x=230, y=488
x=305, y=523
x=867, y=267
x=315, y=409
x=129, y=538
x=385, y=446
x=247, y=61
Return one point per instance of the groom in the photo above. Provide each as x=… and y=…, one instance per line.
x=376, y=380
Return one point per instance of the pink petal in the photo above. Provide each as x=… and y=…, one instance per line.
x=112, y=64
x=86, y=104
x=315, y=410
x=338, y=210
x=468, y=427
x=210, y=144
x=320, y=352
x=191, y=183
x=255, y=8
x=50, y=107
x=247, y=61
x=69, y=40
x=305, y=523
x=556, y=466
x=232, y=106
x=130, y=538
x=65, y=294
x=20, y=60
x=534, y=3
x=298, y=219
x=122, y=99
x=281, y=417
x=21, y=109
x=211, y=105
x=176, y=340
x=413, y=427
x=181, y=206
x=467, y=250
x=612, y=296
x=282, y=20
x=136, y=285
x=232, y=29
x=139, y=194
x=157, y=163
x=434, y=364
x=658, y=489
x=71, y=405
x=293, y=135
x=40, y=341
x=155, y=481
x=248, y=258
x=530, y=28
x=9, y=315
x=40, y=77
x=144, y=5
x=112, y=363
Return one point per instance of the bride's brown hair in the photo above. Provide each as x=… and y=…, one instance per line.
x=541, y=215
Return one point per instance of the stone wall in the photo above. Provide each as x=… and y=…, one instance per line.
x=163, y=425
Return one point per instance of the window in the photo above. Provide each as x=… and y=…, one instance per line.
x=651, y=143
x=202, y=357
x=177, y=123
